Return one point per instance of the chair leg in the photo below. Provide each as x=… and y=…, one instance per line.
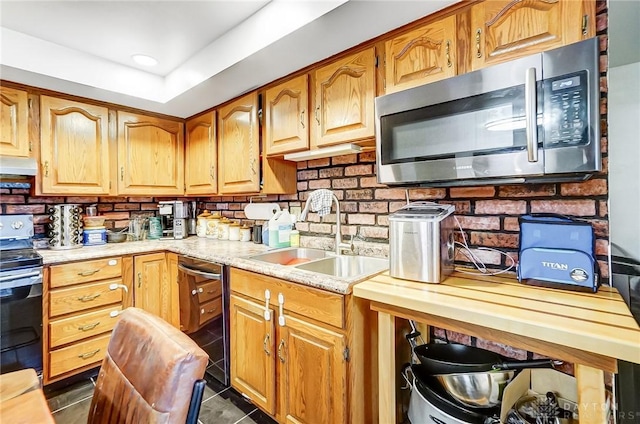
x=196, y=401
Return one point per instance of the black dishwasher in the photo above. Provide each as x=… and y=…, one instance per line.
x=204, y=311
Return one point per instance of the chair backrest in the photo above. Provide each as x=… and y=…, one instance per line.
x=148, y=373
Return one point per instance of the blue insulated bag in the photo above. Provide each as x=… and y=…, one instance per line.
x=557, y=251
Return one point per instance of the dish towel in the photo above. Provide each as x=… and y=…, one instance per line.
x=321, y=201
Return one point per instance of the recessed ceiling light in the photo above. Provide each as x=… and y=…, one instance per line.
x=143, y=59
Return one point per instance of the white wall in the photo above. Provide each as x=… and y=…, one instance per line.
x=624, y=158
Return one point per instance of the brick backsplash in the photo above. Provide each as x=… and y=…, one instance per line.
x=488, y=215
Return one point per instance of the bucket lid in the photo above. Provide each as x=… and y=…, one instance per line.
x=424, y=211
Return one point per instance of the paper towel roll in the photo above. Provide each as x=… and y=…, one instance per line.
x=262, y=211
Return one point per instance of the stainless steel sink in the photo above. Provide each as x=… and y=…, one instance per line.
x=347, y=266
x=324, y=262
x=292, y=256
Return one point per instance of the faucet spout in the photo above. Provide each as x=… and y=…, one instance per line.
x=339, y=244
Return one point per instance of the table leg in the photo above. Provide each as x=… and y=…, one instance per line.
x=591, y=395
x=386, y=368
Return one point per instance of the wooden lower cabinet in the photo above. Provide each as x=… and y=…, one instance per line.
x=155, y=287
x=81, y=304
x=288, y=359
x=83, y=300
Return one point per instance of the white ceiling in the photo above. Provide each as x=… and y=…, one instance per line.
x=208, y=51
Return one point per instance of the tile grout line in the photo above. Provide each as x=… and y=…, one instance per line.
x=246, y=416
x=215, y=394
x=71, y=404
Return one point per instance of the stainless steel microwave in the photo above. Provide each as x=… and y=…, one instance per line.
x=534, y=119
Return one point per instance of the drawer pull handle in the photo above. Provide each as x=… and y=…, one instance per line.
x=88, y=273
x=88, y=354
x=89, y=297
x=210, y=311
x=267, y=313
x=280, y=346
x=211, y=291
x=264, y=344
x=89, y=326
x=478, y=45
x=281, y=321
x=115, y=286
x=448, y=54
x=139, y=279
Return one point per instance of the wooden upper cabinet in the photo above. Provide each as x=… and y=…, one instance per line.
x=423, y=55
x=14, y=125
x=238, y=146
x=201, y=155
x=150, y=155
x=74, y=148
x=503, y=29
x=286, y=115
x=343, y=97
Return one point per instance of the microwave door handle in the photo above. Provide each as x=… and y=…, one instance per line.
x=531, y=114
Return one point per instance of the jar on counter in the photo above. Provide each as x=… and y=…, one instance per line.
x=223, y=229
x=245, y=233
x=234, y=231
x=212, y=225
x=201, y=225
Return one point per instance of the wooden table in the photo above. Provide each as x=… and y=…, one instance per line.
x=591, y=330
x=22, y=400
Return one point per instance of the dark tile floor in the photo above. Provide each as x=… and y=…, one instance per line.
x=70, y=403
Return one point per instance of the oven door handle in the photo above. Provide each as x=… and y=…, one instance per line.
x=18, y=276
x=195, y=272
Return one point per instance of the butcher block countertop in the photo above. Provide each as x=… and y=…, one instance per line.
x=596, y=323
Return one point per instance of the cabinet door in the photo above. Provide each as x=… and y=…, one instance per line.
x=312, y=373
x=14, y=125
x=505, y=29
x=421, y=56
x=174, y=290
x=286, y=116
x=150, y=155
x=201, y=155
x=152, y=292
x=344, y=93
x=238, y=146
x=74, y=147
x=253, y=353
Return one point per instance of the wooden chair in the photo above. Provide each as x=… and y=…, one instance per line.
x=152, y=373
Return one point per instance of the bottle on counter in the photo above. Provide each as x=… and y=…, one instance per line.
x=294, y=238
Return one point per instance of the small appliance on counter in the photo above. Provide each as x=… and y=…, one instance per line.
x=65, y=228
x=174, y=215
x=558, y=252
x=421, y=244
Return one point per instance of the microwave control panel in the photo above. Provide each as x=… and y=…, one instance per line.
x=566, y=110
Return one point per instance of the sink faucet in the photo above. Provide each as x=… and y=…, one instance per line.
x=314, y=197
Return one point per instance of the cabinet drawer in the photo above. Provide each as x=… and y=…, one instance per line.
x=210, y=310
x=72, y=329
x=78, y=355
x=307, y=301
x=80, y=298
x=209, y=291
x=85, y=271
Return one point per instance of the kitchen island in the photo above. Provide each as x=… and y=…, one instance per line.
x=591, y=330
